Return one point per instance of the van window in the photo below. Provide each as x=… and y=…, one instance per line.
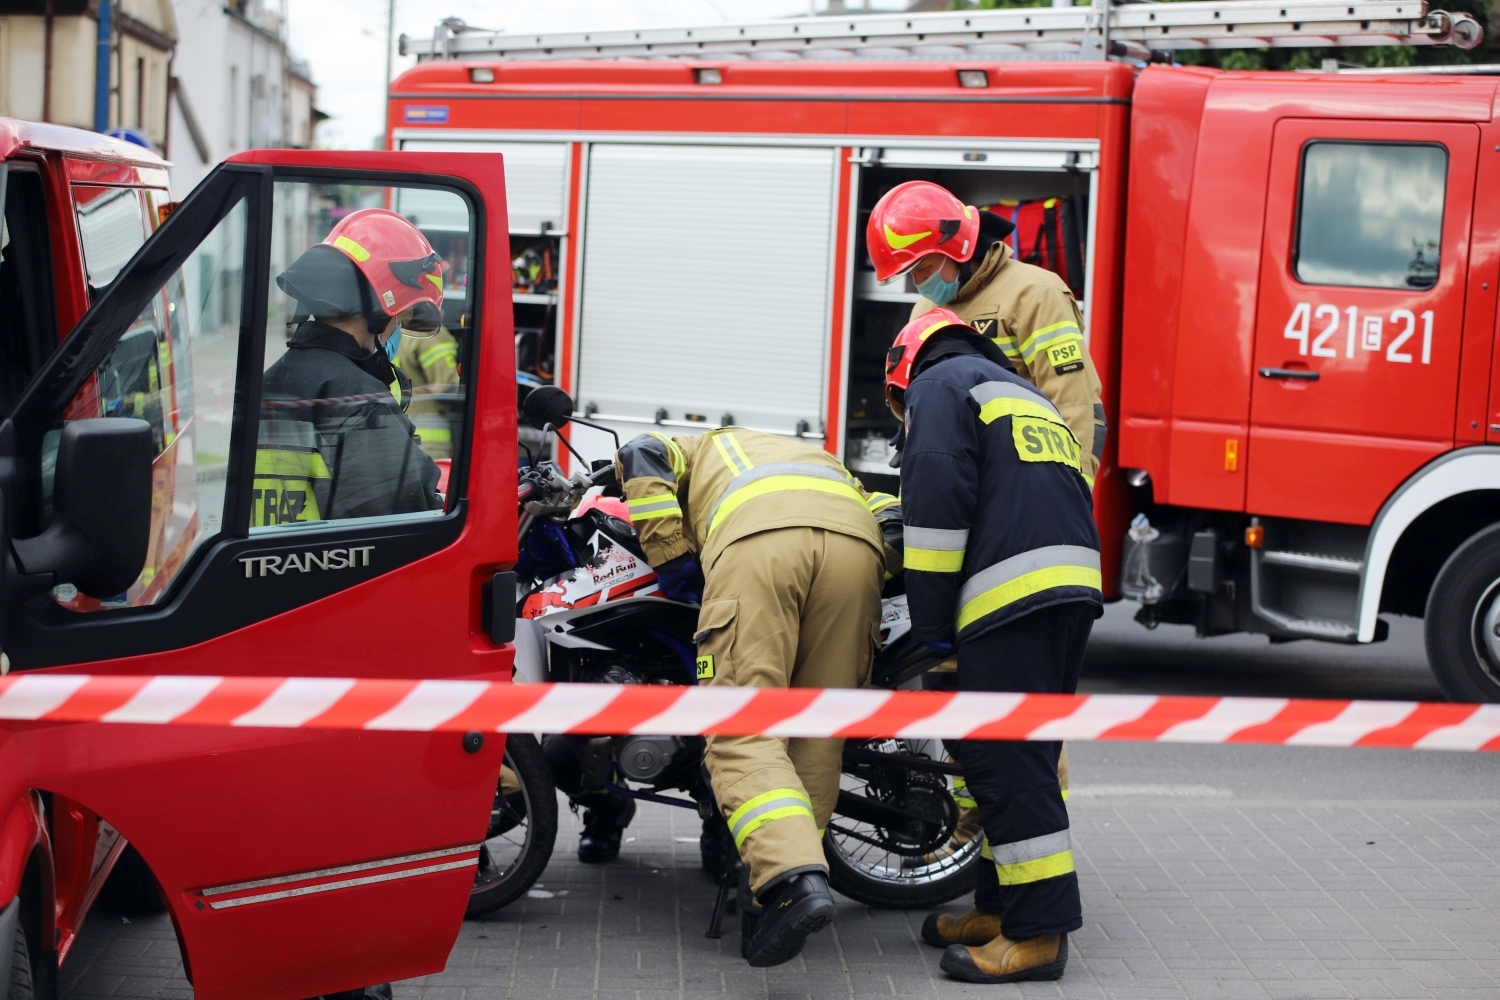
x=349, y=430
x=175, y=368
x=1370, y=214
x=28, y=324
x=111, y=227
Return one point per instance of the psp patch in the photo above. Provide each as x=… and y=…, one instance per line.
x=706, y=668
x=1066, y=357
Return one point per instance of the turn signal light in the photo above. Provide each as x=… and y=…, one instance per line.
x=481, y=74
x=973, y=78
x=709, y=76
x=1255, y=536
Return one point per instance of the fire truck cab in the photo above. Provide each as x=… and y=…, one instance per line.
x=1288, y=279
x=136, y=538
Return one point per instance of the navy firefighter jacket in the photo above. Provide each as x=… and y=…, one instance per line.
x=998, y=519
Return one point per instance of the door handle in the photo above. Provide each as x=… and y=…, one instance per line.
x=1296, y=373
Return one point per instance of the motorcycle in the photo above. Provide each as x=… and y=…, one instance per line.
x=591, y=612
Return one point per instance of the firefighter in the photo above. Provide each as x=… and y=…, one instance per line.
x=335, y=441
x=786, y=553
x=958, y=258
x=437, y=401
x=1002, y=562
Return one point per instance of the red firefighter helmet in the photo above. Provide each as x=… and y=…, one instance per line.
x=915, y=219
x=903, y=354
x=399, y=274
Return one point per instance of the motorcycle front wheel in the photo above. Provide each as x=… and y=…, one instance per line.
x=881, y=861
x=522, y=830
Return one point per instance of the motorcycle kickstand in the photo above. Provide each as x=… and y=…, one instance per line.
x=721, y=903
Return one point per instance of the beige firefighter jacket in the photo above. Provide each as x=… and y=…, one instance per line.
x=700, y=492
x=437, y=404
x=1031, y=315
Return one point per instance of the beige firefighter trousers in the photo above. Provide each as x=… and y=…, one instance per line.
x=792, y=607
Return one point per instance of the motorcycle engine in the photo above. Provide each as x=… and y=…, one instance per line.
x=646, y=758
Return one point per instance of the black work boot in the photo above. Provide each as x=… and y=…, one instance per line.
x=380, y=991
x=792, y=907
x=602, y=826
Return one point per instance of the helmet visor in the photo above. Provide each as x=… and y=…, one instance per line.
x=421, y=321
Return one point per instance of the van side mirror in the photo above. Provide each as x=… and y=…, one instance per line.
x=547, y=404
x=101, y=509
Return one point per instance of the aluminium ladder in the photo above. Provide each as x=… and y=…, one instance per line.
x=1134, y=29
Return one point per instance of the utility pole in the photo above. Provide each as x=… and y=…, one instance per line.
x=390, y=45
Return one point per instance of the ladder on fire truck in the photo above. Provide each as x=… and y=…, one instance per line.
x=1139, y=30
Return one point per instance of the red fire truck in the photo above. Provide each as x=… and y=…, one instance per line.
x=1288, y=278
x=294, y=863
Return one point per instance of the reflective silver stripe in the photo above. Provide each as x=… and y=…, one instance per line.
x=1008, y=569
x=776, y=469
x=645, y=506
x=990, y=391
x=787, y=802
x=1039, y=341
x=937, y=539
x=1030, y=850
x=308, y=890
x=341, y=870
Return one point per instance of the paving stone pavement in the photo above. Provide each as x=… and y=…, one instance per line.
x=1191, y=891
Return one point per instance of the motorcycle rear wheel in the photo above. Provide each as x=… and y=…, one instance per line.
x=879, y=867
x=521, y=834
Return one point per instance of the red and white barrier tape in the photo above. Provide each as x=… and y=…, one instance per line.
x=462, y=706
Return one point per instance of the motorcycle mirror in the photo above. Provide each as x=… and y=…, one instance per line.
x=545, y=405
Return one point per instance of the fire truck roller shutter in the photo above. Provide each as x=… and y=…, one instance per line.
x=536, y=176
x=699, y=264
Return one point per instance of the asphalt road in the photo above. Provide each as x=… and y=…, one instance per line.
x=1207, y=872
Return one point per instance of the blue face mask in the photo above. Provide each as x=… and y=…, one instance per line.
x=392, y=345
x=938, y=291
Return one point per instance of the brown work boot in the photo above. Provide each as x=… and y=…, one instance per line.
x=975, y=927
x=1007, y=961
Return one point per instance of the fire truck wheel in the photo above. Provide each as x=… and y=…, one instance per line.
x=131, y=889
x=21, y=985
x=1463, y=620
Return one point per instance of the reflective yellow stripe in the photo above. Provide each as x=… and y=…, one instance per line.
x=984, y=850
x=778, y=803
x=654, y=506
x=734, y=456
x=353, y=249
x=1023, y=872
x=308, y=465
x=932, y=560
x=1024, y=586
x=433, y=435
x=777, y=484
x=1047, y=856
x=878, y=502
x=1057, y=333
x=1025, y=574
x=674, y=453
x=427, y=357
x=1007, y=343
x=1007, y=407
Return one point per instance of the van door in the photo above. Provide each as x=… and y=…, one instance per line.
x=1360, y=313
x=295, y=862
